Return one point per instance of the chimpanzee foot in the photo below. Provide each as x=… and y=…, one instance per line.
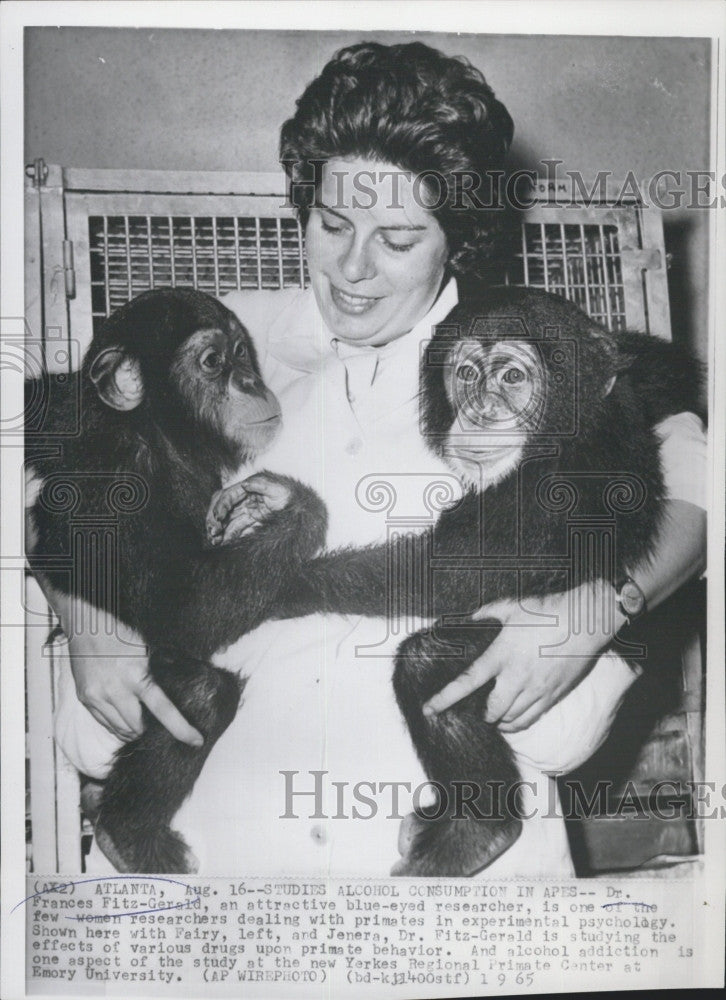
x=452, y=847
x=163, y=852
x=91, y=796
x=108, y=847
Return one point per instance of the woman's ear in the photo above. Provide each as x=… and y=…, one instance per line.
x=117, y=378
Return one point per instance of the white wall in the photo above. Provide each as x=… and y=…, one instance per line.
x=215, y=99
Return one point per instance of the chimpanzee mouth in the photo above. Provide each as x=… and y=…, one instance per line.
x=481, y=454
x=275, y=418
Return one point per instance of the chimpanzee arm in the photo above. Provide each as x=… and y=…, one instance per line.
x=218, y=593
x=347, y=581
x=394, y=580
x=441, y=571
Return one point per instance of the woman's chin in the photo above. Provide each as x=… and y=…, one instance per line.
x=358, y=329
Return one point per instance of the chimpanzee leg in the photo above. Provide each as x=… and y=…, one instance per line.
x=153, y=774
x=477, y=814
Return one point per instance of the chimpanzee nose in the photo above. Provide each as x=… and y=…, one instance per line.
x=245, y=382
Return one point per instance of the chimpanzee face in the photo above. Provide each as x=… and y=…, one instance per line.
x=216, y=377
x=192, y=365
x=497, y=394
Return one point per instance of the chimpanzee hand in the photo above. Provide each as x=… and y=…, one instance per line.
x=240, y=509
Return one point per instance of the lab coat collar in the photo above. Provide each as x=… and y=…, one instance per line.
x=300, y=339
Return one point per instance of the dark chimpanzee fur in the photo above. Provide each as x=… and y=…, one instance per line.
x=130, y=450
x=590, y=455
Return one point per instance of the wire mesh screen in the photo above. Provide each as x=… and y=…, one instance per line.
x=580, y=262
x=131, y=253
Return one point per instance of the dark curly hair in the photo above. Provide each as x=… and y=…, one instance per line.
x=419, y=109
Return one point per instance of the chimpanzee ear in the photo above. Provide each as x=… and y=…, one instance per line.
x=117, y=378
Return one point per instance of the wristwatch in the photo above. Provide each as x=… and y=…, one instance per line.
x=630, y=599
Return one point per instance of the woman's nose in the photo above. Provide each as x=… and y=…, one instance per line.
x=356, y=263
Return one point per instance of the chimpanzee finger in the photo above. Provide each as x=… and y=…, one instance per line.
x=242, y=521
x=223, y=503
x=263, y=496
x=269, y=490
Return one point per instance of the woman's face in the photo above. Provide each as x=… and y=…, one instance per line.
x=376, y=255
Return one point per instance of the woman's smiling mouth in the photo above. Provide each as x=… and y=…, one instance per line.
x=353, y=305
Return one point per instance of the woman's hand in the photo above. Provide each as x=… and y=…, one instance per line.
x=536, y=664
x=113, y=682
x=111, y=672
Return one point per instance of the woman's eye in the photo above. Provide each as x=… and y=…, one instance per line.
x=211, y=360
x=512, y=376
x=466, y=373
x=398, y=247
x=332, y=226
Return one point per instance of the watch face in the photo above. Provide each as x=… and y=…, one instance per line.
x=631, y=598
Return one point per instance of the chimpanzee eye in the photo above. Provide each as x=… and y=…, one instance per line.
x=466, y=373
x=211, y=360
x=512, y=376
x=240, y=349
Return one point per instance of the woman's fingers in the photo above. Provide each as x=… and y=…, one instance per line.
x=481, y=671
x=120, y=711
x=527, y=718
x=110, y=719
x=504, y=694
x=168, y=714
x=111, y=674
x=521, y=704
x=110, y=699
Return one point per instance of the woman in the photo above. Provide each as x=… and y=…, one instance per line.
x=319, y=737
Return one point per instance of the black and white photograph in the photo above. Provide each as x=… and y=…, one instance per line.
x=363, y=499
